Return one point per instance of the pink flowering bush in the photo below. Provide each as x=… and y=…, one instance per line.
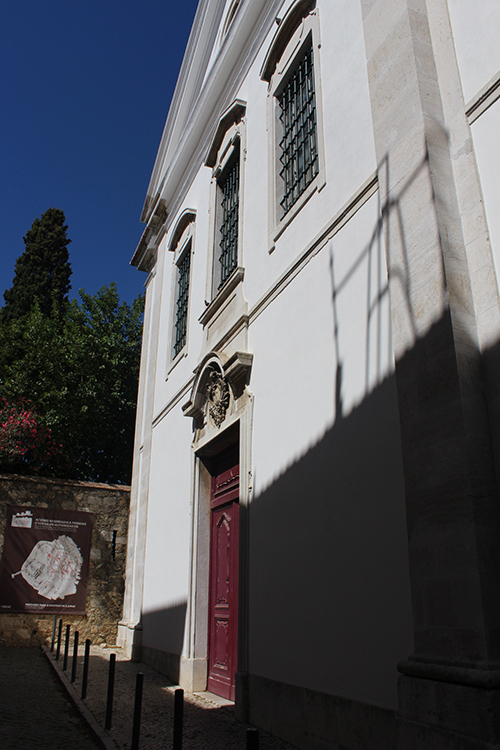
x=24, y=442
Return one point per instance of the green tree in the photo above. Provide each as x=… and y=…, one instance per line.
x=43, y=271
x=107, y=346
x=80, y=370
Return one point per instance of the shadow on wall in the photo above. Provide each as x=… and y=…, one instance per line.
x=329, y=587
x=165, y=629
x=329, y=583
x=330, y=598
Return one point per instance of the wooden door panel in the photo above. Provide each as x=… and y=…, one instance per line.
x=223, y=598
x=222, y=643
x=222, y=561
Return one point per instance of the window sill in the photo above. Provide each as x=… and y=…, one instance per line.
x=173, y=364
x=230, y=285
x=315, y=186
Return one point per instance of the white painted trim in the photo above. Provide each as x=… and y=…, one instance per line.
x=199, y=99
x=360, y=197
x=234, y=138
x=232, y=282
x=243, y=416
x=307, y=32
x=185, y=244
x=483, y=99
x=173, y=402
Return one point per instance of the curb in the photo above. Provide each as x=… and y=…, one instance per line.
x=104, y=739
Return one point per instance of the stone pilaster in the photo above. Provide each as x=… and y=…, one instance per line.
x=449, y=694
x=130, y=627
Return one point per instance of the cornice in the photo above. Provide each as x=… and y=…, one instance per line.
x=231, y=116
x=144, y=256
x=187, y=217
x=238, y=52
x=286, y=29
x=197, y=55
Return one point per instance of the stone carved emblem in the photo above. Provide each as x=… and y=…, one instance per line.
x=218, y=397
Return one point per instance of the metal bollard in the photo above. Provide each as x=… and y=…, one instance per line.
x=85, y=675
x=178, y=711
x=252, y=738
x=75, y=657
x=111, y=686
x=136, y=730
x=66, y=648
x=59, y=636
x=53, y=640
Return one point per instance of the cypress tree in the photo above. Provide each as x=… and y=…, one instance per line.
x=43, y=271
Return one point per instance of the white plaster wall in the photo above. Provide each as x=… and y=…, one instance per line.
x=486, y=137
x=335, y=312
x=168, y=535
x=347, y=497
x=359, y=281
x=350, y=160
x=329, y=581
x=476, y=27
x=254, y=190
x=170, y=381
x=293, y=377
x=349, y=145
x=349, y=148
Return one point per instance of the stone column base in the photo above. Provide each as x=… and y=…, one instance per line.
x=241, y=697
x=414, y=736
x=129, y=638
x=193, y=674
x=448, y=716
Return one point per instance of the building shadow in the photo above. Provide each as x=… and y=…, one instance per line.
x=205, y=724
x=165, y=629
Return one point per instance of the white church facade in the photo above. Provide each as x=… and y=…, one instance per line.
x=315, y=519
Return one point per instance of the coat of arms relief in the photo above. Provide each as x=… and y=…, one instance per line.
x=217, y=393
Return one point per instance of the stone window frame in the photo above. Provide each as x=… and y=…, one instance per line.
x=227, y=216
x=229, y=138
x=298, y=30
x=182, y=241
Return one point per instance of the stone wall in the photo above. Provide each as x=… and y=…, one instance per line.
x=110, y=506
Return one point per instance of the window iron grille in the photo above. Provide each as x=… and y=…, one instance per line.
x=182, y=301
x=298, y=145
x=229, y=192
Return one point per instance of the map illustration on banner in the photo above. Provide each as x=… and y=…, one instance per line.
x=53, y=568
x=45, y=561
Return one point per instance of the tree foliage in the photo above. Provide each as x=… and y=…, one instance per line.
x=77, y=363
x=43, y=271
x=24, y=442
x=81, y=373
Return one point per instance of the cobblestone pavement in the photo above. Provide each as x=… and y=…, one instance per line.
x=207, y=725
x=35, y=711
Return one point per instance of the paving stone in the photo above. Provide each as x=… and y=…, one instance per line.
x=207, y=725
x=35, y=711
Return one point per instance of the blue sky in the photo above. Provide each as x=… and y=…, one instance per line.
x=85, y=87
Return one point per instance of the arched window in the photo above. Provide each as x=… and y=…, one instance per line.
x=225, y=156
x=181, y=244
x=291, y=68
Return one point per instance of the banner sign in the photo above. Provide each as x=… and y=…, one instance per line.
x=45, y=561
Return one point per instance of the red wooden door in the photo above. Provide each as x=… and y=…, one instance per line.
x=223, y=595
